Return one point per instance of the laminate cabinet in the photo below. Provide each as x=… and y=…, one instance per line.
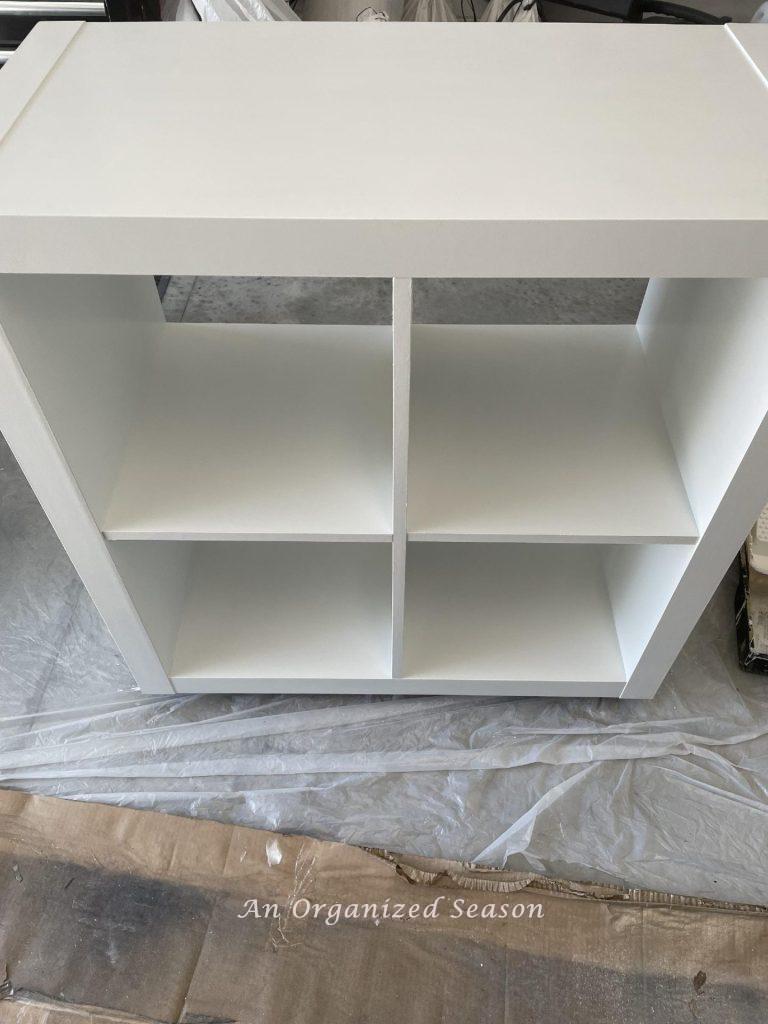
x=405, y=508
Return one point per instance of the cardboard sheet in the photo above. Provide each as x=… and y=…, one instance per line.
x=117, y=914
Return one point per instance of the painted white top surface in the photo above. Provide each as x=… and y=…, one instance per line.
x=143, y=140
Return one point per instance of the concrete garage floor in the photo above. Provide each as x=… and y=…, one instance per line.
x=670, y=794
x=368, y=300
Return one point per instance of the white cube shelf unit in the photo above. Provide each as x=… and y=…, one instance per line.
x=408, y=508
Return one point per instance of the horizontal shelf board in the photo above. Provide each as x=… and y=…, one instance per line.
x=285, y=611
x=428, y=537
x=299, y=538
x=543, y=433
x=510, y=612
x=402, y=687
x=261, y=432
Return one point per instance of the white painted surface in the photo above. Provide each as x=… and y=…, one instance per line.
x=541, y=434
x=522, y=612
x=25, y=335
x=23, y=77
x=408, y=687
x=286, y=611
x=252, y=432
x=639, y=153
x=402, y=315
x=753, y=40
x=653, y=165
x=707, y=353
x=156, y=577
x=85, y=348
x=536, y=433
x=705, y=344
x=302, y=433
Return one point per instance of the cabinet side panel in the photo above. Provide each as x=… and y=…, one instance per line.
x=84, y=344
x=29, y=435
x=705, y=343
x=156, y=575
x=642, y=581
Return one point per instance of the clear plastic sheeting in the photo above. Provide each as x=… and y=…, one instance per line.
x=428, y=10
x=244, y=10
x=503, y=10
x=669, y=794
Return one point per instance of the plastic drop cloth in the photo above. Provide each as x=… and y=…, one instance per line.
x=244, y=10
x=428, y=10
x=669, y=794
x=524, y=10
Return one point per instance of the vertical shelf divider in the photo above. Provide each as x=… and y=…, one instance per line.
x=402, y=314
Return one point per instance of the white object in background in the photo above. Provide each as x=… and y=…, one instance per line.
x=757, y=543
x=524, y=10
x=428, y=10
x=245, y=10
x=760, y=16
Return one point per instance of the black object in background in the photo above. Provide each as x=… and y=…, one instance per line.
x=15, y=27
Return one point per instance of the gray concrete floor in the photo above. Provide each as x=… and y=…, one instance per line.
x=344, y=301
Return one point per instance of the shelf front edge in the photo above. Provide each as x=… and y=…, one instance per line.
x=94, y=243
x=407, y=687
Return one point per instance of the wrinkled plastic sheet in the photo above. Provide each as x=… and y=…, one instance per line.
x=667, y=794
x=244, y=10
